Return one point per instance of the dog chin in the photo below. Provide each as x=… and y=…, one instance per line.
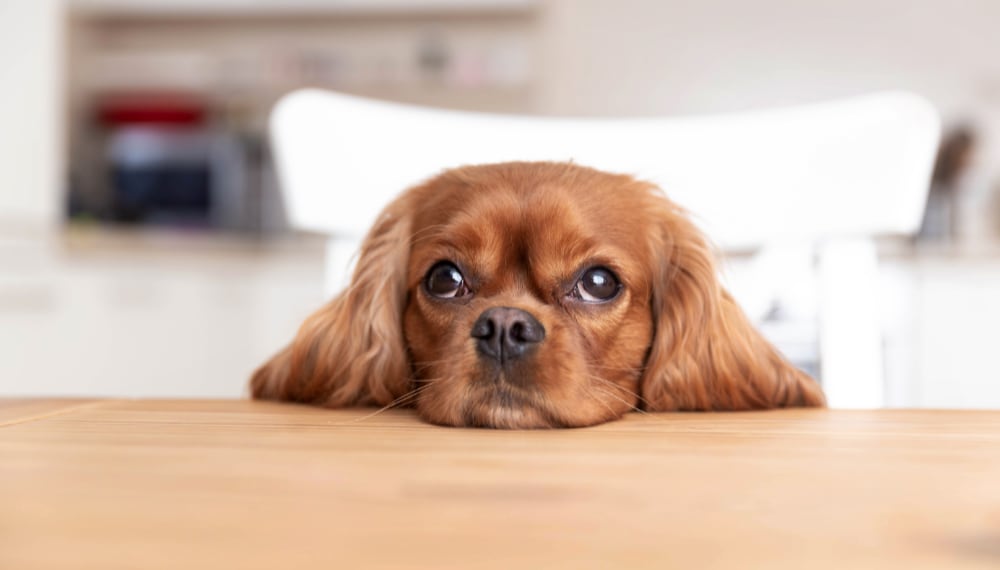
x=493, y=404
x=491, y=415
x=505, y=407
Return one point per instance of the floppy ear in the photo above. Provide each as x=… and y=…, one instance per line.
x=706, y=355
x=351, y=351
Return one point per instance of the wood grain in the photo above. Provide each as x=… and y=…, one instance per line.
x=220, y=484
x=17, y=410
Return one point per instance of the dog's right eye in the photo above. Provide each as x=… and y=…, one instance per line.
x=596, y=285
x=445, y=281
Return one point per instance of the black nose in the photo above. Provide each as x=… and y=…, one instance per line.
x=506, y=333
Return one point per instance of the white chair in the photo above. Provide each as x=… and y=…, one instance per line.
x=823, y=178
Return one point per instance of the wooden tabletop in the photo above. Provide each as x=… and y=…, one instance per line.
x=235, y=484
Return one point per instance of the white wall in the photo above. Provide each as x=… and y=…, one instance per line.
x=641, y=57
x=30, y=113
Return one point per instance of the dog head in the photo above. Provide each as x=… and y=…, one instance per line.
x=525, y=295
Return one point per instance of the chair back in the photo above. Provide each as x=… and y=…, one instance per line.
x=854, y=167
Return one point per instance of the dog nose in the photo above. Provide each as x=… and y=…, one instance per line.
x=506, y=333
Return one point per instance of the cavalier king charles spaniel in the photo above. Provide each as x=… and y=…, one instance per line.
x=533, y=295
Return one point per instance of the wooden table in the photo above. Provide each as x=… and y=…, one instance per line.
x=235, y=484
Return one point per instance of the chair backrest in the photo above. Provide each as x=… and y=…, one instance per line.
x=855, y=167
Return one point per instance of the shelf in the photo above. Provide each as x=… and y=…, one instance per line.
x=981, y=250
x=123, y=242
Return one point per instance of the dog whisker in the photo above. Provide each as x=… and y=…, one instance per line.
x=428, y=363
x=403, y=400
x=610, y=394
x=605, y=404
x=625, y=391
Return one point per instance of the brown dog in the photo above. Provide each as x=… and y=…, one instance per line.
x=530, y=295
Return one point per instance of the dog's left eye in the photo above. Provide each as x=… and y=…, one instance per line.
x=596, y=285
x=445, y=281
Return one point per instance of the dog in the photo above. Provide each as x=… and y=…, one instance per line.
x=533, y=295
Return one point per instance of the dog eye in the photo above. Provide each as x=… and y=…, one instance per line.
x=445, y=281
x=596, y=285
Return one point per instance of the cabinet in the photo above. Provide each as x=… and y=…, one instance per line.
x=942, y=337
x=150, y=314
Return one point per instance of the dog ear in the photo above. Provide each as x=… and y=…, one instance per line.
x=706, y=355
x=351, y=351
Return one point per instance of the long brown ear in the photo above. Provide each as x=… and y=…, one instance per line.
x=351, y=351
x=706, y=355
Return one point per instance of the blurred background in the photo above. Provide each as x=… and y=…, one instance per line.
x=143, y=245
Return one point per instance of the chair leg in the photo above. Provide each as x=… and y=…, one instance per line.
x=850, y=328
